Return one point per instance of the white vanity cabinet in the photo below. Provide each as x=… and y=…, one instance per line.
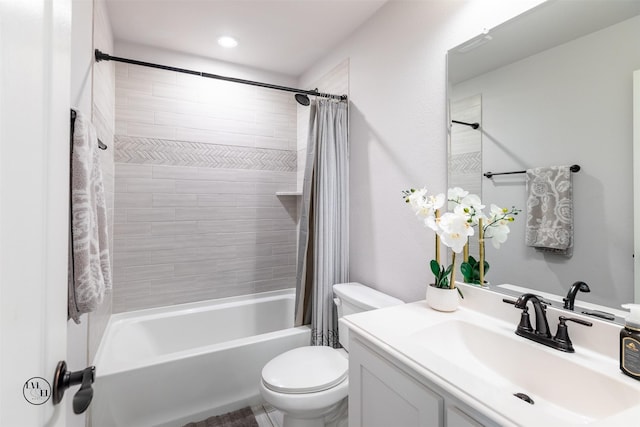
x=384, y=393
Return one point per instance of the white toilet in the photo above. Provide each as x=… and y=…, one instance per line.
x=309, y=385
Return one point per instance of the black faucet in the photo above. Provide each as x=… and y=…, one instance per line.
x=570, y=300
x=542, y=325
x=541, y=334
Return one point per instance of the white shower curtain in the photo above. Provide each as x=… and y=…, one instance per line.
x=323, y=248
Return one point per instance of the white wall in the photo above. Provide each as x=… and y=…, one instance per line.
x=568, y=105
x=397, y=72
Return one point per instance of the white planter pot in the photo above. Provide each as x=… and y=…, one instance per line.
x=443, y=299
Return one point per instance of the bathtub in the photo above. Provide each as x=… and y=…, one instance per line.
x=168, y=366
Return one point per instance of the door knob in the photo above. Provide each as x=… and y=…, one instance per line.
x=64, y=379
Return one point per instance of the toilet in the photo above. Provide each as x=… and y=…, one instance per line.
x=309, y=385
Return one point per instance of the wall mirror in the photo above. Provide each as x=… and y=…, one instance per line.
x=553, y=86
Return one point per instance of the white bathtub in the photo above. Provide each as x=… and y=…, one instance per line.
x=171, y=365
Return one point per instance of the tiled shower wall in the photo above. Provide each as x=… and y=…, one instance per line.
x=198, y=165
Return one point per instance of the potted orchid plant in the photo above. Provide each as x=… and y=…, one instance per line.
x=494, y=227
x=453, y=230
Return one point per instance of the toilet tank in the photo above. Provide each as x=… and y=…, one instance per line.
x=355, y=297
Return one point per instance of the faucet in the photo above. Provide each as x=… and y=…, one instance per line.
x=570, y=300
x=542, y=325
x=541, y=334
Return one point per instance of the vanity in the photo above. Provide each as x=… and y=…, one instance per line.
x=410, y=365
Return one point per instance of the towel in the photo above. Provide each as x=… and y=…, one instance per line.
x=549, y=225
x=89, y=265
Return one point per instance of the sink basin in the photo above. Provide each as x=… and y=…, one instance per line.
x=502, y=364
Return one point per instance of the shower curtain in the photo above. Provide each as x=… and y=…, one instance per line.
x=323, y=249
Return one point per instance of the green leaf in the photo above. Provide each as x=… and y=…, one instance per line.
x=435, y=267
x=467, y=271
x=448, y=271
x=472, y=260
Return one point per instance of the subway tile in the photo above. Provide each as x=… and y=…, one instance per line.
x=256, y=201
x=149, y=243
x=272, y=143
x=149, y=185
x=229, y=225
x=146, y=272
x=122, y=258
x=181, y=200
x=277, y=237
x=255, y=274
x=217, y=200
x=121, y=127
x=125, y=114
x=140, y=101
x=137, y=229
x=119, y=216
x=214, y=213
x=186, y=255
x=242, y=263
x=133, y=200
x=214, y=137
x=138, y=72
x=130, y=170
x=213, y=187
x=121, y=70
x=134, y=85
x=284, y=249
x=174, y=172
x=173, y=91
x=170, y=284
x=195, y=268
x=151, y=131
x=284, y=271
x=151, y=214
x=173, y=228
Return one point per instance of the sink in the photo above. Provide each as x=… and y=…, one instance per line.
x=502, y=364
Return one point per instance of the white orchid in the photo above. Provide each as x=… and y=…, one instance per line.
x=422, y=204
x=497, y=227
x=456, y=194
x=455, y=230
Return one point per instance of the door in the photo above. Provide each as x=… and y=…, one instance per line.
x=34, y=156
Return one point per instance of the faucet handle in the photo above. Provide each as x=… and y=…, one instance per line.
x=576, y=320
x=562, y=335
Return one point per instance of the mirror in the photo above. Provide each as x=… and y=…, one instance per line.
x=553, y=86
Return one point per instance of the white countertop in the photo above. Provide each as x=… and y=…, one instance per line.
x=415, y=335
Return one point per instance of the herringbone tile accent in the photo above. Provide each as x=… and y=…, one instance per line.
x=182, y=153
x=466, y=162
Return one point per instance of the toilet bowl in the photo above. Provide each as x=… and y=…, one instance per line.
x=309, y=385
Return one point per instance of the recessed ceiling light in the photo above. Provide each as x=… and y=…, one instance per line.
x=226, y=41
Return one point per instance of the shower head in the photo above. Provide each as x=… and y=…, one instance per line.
x=302, y=99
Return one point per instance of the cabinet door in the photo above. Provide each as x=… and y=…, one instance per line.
x=455, y=417
x=380, y=395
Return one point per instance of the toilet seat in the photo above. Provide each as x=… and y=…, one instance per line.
x=305, y=370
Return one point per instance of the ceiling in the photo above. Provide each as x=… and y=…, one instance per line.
x=284, y=36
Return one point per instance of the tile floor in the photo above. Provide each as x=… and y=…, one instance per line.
x=267, y=416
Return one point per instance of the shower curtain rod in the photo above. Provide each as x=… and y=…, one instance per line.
x=101, y=56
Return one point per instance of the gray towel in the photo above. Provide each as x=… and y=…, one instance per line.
x=549, y=225
x=89, y=266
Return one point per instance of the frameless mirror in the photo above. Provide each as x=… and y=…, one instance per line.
x=553, y=86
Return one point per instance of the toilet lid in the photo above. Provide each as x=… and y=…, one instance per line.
x=305, y=370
